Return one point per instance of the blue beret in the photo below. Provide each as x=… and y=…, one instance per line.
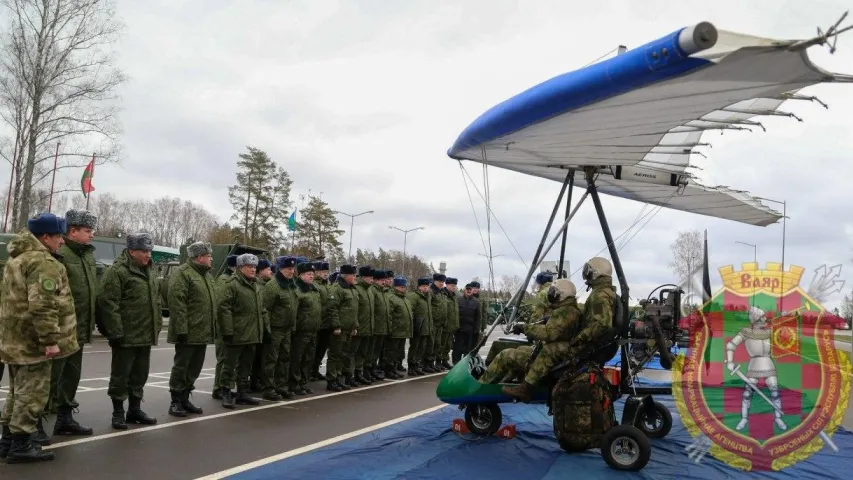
x=285, y=262
x=46, y=224
x=262, y=264
x=400, y=282
x=424, y=281
x=231, y=261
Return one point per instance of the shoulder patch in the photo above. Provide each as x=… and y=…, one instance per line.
x=48, y=285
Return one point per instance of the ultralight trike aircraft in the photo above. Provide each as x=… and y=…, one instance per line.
x=627, y=127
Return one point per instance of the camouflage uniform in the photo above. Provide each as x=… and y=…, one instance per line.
x=36, y=311
x=583, y=409
x=400, y=322
x=451, y=326
x=309, y=313
x=280, y=303
x=508, y=365
x=192, y=327
x=564, y=337
x=341, y=313
x=438, y=305
x=219, y=348
x=421, y=331
x=539, y=305
x=380, y=327
x=362, y=342
x=324, y=334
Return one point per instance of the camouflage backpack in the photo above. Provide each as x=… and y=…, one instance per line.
x=582, y=404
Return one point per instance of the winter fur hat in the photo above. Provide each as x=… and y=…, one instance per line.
x=231, y=261
x=285, y=262
x=437, y=277
x=324, y=267
x=140, y=241
x=348, y=270
x=46, y=224
x=424, y=281
x=401, y=282
x=247, y=259
x=380, y=274
x=81, y=218
x=198, y=249
x=389, y=274
x=365, y=271
x=263, y=264
x=475, y=284
x=304, y=267
x=451, y=281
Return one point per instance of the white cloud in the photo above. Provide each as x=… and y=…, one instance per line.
x=360, y=100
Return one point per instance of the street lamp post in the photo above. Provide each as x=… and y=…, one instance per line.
x=784, y=204
x=405, y=238
x=351, y=225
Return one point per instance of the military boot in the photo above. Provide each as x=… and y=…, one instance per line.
x=243, y=398
x=378, y=374
x=272, y=396
x=333, y=387
x=24, y=450
x=66, y=425
x=188, y=406
x=522, y=392
x=286, y=394
x=40, y=436
x=136, y=415
x=429, y=367
x=5, y=441
x=118, y=415
x=351, y=382
x=175, y=408
x=392, y=375
x=217, y=393
x=227, y=398
x=342, y=382
x=360, y=378
x=308, y=390
x=446, y=365
x=401, y=368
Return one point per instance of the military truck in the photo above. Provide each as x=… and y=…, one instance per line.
x=220, y=253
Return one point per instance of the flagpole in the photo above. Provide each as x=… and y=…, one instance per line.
x=53, y=180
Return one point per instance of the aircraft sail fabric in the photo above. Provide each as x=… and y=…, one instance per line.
x=647, y=109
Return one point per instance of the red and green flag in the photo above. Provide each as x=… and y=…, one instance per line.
x=86, y=180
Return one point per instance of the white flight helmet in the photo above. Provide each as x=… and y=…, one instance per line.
x=596, y=267
x=560, y=290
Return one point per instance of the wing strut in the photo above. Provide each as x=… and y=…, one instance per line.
x=560, y=271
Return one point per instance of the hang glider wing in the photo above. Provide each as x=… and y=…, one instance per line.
x=644, y=112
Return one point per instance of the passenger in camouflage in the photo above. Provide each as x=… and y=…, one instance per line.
x=452, y=325
x=192, y=324
x=363, y=338
x=258, y=379
x=37, y=325
x=421, y=327
x=342, y=317
x=539, y=305
x=221, y=281
x=280, y=303
x=381, y=281
x=309, y=311
x=509, y=365
x=400, y=324
x=438, y=305
x=321, y=281
x=79, y=261
x=130, y=311
x=243, y=326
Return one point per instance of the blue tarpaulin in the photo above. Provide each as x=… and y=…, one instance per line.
x=427, y=448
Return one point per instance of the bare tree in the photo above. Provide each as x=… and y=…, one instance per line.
x=509, y=284
x=686, y=253
x=58, y=83
x=847, y=307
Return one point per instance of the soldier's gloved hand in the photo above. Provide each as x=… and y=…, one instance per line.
x=183, y=338
x=116, y=342
x=228, y=338
x=518, y=328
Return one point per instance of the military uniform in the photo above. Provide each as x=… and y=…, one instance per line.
x=130, y=310
x=36, y=312
x=342, y=314
x=309, y=313
x=438, y=306
x=322, y=284
x=469, y=322
x=421, y=329
x=263, y=273
x=243, y=326
x=280, y=302
x=221, y=281
x=380, y=323
x=361, y=342
x=452, y=325
x=192, y=326
x=400, y=323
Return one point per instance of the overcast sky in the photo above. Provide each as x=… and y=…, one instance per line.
x=360, y=100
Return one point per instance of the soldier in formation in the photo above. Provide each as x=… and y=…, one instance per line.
x=321, y=281
x=361, y=341
x=263, y=272
x=309, y=317
x=280, y=303
x=221, y=281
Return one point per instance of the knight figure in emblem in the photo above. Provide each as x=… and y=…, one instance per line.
x=757, y=340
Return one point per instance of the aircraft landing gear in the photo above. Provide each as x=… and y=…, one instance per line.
x=483, y=418
x=650, y=417
x=625, y=447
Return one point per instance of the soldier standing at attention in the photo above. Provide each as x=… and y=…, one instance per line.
x=421, y=328
x=309, y=308
x=321, y=281
x=129, y=308
x=452, y=321
x=192, y=324
x=221, y=280
x=342, y=318
x=380, y=322
x=79, y=260
x=280, y=302
x=361, y=342
x=243, y=326
x=400, y=322
x=37, y=326
x=438, y=305
x=263, y=272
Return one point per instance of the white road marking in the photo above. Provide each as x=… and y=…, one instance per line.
x=314, y=446
x=230, y=413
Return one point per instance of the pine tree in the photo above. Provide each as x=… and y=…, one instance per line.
x=317, y=230
x=260, y=198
